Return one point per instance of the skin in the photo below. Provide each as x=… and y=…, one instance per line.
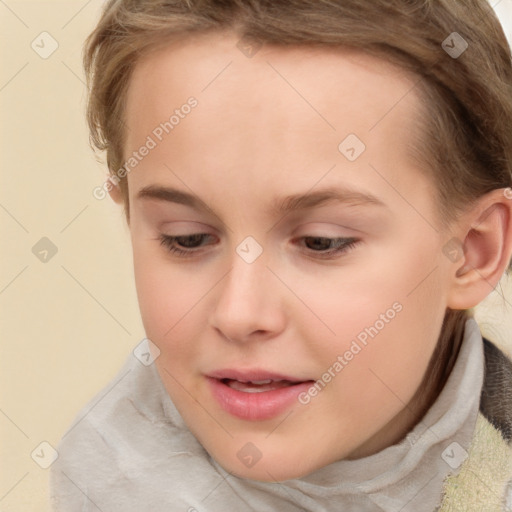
x=253, y=137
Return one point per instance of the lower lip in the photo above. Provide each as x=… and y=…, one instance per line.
x=256, y=406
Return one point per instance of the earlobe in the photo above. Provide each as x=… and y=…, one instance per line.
x=487, y=248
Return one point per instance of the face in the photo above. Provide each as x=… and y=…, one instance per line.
x=292, y=332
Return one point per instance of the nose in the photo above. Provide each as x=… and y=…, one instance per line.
x=249, y=302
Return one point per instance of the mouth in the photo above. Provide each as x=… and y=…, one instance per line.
x=260, y=386
x=255, y=395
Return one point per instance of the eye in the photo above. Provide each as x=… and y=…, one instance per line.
x=189, y=241
x=329, y=247
x=318, y=247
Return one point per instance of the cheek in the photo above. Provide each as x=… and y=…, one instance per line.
x=169, y=298
x=386, y=319
x=356, y=302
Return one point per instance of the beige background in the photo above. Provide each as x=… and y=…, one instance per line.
x=68, y=323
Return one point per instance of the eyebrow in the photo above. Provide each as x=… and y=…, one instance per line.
x=281, y=205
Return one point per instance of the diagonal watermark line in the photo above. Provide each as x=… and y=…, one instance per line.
x=81, y=491
x=469, y=470
x=216, y=487
x=198, y=403
x=97, y=402
x=79, y=78
x=216, y=76
x=406, y=406
x=12, y=280
x=199, y=199
x=14, y=218
x=410, y=204
x=492, y=209
x=279, y=424
x=490, y=9
x=194, y=305
x=301, y=95
x=73, y=219
x=398, y=398
x=301, y=300
x=416, y=495
x=424, y=279
x=2, y=1
x=96, y=300
x=76, y=14
x=245, y=499
x=396, y=103
x=15, y=424
x=224, y=474
x=493, y=288
x=276, y=481
x=12, y=488
x=493, y=491
x=14, y=76
x=224, y=480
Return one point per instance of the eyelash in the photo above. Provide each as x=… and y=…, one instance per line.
x=344, y=245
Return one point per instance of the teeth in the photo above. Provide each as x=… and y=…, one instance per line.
x=252, y=390
x=257, y=386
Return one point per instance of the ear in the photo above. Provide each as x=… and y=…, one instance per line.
x=486, y=235
x=114, y=191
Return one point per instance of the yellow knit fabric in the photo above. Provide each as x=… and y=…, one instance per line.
x=481, y=482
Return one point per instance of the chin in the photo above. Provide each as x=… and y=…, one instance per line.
x=269, y=469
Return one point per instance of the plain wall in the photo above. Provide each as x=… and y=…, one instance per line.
x=69, y=323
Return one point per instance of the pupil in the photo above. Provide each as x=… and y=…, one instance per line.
x=196, y=238
x=323, y=242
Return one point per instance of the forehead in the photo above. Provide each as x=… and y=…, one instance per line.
x=267, y=117
x=213, y=66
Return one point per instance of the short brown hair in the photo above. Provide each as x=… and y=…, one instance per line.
x=467, y=143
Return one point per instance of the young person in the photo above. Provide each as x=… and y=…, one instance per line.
x=318, y=194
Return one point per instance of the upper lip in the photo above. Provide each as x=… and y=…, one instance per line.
x=251, y=375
